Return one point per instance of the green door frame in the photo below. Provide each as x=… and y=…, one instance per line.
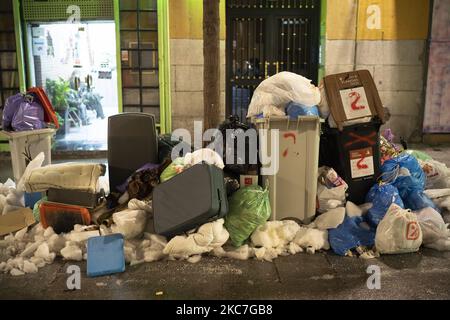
x=164, y=66
x=163, y=62
x=19, y=45
x=118, y=55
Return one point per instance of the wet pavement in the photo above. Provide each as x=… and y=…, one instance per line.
x=423, y=275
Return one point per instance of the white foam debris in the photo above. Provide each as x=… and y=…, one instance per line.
x=81, y=236
x=72, y=252
x=29, y=267
x=20, y=234
x=17, y=272
x=194, y=259
x=330, y=219
x=48, y=232
x=30, y=249
x=275, y=234
x=312, y=238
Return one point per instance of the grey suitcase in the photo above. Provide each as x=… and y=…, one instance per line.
x=132, y=142
x=190, y=199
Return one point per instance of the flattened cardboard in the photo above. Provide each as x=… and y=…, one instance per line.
x=16, y=220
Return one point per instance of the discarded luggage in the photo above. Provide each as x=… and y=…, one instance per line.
x=189, y=199
x=132, y=142
x=75, y=197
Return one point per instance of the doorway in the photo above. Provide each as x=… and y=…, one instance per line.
x=76, y=65
x=265, y=37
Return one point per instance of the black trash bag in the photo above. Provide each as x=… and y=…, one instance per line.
x=166, y=144
x=239, y=165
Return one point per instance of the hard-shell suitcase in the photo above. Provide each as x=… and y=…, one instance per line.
x=132, y=143
x=75, y=197
x=190, y=199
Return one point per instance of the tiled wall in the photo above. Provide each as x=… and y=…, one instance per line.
x=186, y=61
x=395, y=54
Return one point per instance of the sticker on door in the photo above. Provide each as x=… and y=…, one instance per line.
x=361, y=163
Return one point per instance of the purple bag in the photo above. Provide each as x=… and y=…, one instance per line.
x=29, y=116
x=21, y=113
x=11, y=106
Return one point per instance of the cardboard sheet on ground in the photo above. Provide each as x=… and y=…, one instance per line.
x=16, y=220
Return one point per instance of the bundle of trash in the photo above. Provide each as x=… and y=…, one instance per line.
x=28, y=111
x=196, y=204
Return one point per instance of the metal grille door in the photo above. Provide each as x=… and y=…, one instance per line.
x=266, y=37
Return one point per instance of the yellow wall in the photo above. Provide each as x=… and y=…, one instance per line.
x=400, y=20
x=186, y=18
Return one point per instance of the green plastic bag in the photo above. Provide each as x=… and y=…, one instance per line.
x=419, y=155
x=36, y=212
x=249, y=208
x=176, y=167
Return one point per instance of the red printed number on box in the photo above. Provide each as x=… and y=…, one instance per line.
x=355, y=103
x=361, y=163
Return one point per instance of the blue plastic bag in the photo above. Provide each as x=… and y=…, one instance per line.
x=391, y=169
x=294, y=110
x=381, y=196
x=350, y=234
x=410, y=187
x=418, y=200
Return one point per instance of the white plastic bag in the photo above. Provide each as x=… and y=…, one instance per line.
x=330, y=198
x=398, y=232
x=130, y=223
x=207, y=155
x=324, y=109
x=432, y=225
x=280, y=89
x=438, y=175
x=330, y=219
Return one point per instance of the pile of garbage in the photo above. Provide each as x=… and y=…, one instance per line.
x=196, y=205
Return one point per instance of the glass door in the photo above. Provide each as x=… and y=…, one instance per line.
x=76, y=65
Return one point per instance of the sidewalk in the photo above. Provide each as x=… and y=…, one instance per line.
x=423, y=275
